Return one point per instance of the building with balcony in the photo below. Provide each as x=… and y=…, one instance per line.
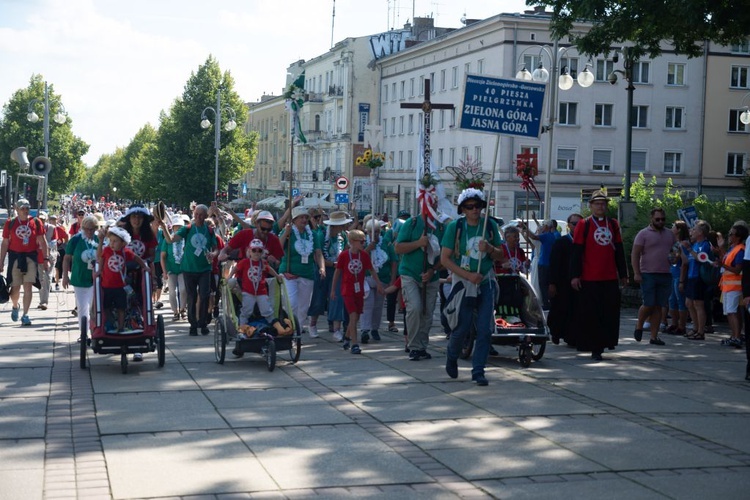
x=270, y=119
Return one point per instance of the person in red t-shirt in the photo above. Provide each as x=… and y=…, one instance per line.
x=76, y=226
x=263, y=226
x=25, y=245
x=597, y=263
x=112, y=260
x=351, y=267
x=251, y=274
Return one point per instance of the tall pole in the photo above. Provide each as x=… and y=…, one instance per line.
x=217, y=140
x=46, y=142
x=550, y=130
x=629, y=130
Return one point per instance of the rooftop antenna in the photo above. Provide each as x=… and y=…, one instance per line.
x=333, y=21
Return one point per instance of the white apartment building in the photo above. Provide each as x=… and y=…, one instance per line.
x=589, y=141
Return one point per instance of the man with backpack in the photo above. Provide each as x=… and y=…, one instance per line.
x=25, y=245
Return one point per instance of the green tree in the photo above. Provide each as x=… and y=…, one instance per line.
x=65, y=150
x=684, y=24
x=185, y=170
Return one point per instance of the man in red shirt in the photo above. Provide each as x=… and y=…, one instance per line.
x=25, y=244
x=597, y=264
x=263, y=226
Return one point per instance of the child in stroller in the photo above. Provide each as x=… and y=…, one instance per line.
x=251, y=274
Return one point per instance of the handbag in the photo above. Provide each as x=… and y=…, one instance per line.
x=709, y=274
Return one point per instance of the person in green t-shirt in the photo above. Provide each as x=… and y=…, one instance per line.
x=170, y=255
x=199, y=252
x=302, y=256
x=418, y=277
x=79, y=261
x=468, y=250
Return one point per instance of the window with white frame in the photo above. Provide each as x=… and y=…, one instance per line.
x=393, y=126
x=411, y=123
x=442, y=119
x=385, y=127
x=602, y=161
x=478, y=155
x=410, y=159
x=402, y=92
x=674, y=118
x=532, y=150
x=641, y=72
x=672, y=162
x=433, y=83
x=741, y=48
x=421, y=85
x=452, y=157
x=467, y=68
x=393, y=91
x=566, y=159
x=736, y=164
x=443, y=80
x=454, y=77
x=676, y=74
x=411, y=87
x=637, y=161
x=639, y=116
x=603, y=115
x=735, y=125
x=385, y=93
x=441, y=158
x=465, y=153
x=738, y=77
x=603, y=68
x=532, y=62
x=571, y=64
x=568, y=113
x=401, y=125
x=480, y=67
x=453, y=117
x=392, y=159
x=400, y=160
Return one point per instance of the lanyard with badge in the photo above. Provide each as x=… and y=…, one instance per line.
x=466, y=257
x=354, y=267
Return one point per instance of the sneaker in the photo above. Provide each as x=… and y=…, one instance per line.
x=43, y=307
x=375, y=335
x=193, y=331
x=313, y=332
x=365, y=337
x=25, y=321
x=346, y=345
x=176, y=317
x=735, y=342
x=656, y=341
x=480, y=379
x=356, y=349
x=392, y=329
x=57, y=287
x=159, y=304
x=727, y=341
x=451, y=367
x=338, y=336
x=14, y=313
x=414, y=355
x=423, y=354
x=638, y=334
x=137, y=357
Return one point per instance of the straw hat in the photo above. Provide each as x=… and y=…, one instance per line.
x=598, y=195
x=264, y=215
x=338, y=218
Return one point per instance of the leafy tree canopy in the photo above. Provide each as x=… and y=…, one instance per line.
x=685, y=24
x=65, y=149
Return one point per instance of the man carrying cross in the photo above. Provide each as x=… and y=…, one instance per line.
x=418, y=243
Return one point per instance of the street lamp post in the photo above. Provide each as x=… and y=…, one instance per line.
x=60, y=117
x=229, y=126
x=564, y=82
x=627, y=73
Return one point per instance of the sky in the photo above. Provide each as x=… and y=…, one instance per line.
x=116, y=64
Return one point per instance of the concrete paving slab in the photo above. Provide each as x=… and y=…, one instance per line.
x=21, y=454
x=640, y=396
x=249, y=372
x=389, y=393
x=26, y=356
x=24, y=382
x=731, y=369
x=429, y=408
x=344, y=455
x=22, y=418
x=26, y=484
x=250, y=398
x=700, y=485
x=611, y=489
x=188, y=463
x=274, y=416
x=155, y=412
x=731, y=431
x=106, y=376
x=362, y=378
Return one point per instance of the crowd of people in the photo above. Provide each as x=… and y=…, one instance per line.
x=342, y=272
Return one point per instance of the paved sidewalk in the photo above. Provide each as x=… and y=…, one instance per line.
x=651, y=422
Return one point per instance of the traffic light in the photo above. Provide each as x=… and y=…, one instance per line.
x=233, y=191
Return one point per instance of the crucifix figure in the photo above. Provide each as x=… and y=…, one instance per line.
x=427, y=106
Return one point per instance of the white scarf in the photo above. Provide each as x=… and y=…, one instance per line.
x=304, y=247
x=378, y=255
x=338, y=246
x=178, y=249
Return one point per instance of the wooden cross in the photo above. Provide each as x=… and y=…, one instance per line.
x=427, y=106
